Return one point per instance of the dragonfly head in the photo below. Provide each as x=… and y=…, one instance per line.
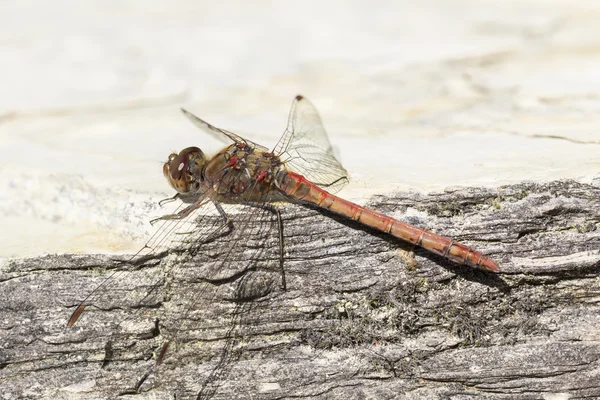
x=184, y=170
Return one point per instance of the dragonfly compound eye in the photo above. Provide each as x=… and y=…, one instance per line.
x=183, y=170
x=178, y=166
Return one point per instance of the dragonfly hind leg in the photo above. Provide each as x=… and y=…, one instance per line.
x=218, y=232
x=277, y=213
x=227, y=222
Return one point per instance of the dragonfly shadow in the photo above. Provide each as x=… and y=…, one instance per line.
x=251, y=287
x=227, y=268
x=466, y=272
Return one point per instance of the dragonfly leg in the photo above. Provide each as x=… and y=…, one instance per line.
x=227, y=222
x=219, y=231
x=275, y=211
x=343, y=179
x=168, y=200
x=181, y=214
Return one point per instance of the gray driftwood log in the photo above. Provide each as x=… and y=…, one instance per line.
x=363, y=315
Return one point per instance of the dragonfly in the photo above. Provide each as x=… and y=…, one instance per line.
x=301, y=168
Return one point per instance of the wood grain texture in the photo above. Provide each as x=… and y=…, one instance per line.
x=363, y=316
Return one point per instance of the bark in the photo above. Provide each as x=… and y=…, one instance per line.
x=363, y=315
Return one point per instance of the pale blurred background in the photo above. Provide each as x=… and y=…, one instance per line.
x=415, y=96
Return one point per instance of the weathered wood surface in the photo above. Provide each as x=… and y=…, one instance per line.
x=363, y=316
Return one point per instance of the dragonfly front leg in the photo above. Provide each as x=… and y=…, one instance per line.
x=275, y=211
x=181, y=214
x=169, y=200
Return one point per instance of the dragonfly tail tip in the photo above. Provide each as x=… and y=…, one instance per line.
x=490, y=265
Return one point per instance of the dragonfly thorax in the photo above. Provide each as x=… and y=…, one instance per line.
x=241, y=173
x=184, y=170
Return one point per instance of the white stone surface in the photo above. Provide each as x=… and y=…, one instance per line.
x=415, y=96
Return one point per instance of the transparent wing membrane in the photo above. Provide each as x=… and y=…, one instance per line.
x=217, y=254
x=304, y=146
x=218, y=133
x=306, y=149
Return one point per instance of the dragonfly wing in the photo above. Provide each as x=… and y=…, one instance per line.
x=205, y=251
x=170, y=236
x=218, y=133
x=306, y=149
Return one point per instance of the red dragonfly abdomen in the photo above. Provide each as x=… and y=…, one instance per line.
x=301, y=189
